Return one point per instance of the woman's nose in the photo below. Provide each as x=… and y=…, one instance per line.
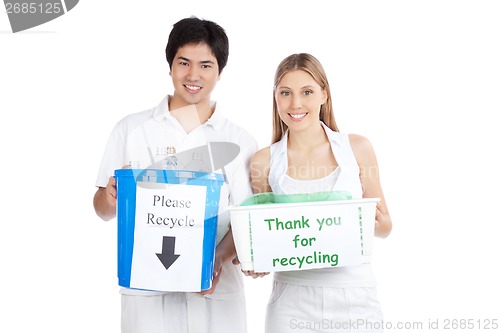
x=296, y=102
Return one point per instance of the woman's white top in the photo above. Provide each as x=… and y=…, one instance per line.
x=344, y=178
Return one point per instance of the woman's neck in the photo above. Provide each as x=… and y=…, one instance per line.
x=307, y=139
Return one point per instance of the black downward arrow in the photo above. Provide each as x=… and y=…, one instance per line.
x=167, y=256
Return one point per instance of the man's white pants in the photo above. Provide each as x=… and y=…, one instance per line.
x=183, y=313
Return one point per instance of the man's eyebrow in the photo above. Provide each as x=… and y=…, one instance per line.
x=201, y=62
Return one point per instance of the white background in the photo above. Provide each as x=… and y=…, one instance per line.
x=420, y=79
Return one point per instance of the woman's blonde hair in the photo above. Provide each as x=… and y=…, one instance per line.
x=309, y=64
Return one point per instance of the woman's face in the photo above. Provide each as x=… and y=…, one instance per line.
x=298, y=99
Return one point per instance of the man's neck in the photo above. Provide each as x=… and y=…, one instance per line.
x=190, y=116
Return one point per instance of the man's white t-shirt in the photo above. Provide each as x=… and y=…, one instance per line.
x=136, y=138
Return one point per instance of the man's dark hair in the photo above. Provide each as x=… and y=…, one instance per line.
x=193, y=30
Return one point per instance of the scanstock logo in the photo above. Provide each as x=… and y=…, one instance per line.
x=26, y=14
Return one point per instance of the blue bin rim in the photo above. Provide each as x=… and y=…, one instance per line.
x=186, y=174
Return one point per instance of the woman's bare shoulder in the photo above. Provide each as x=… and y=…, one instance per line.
x=262, y=156
x=360, y=143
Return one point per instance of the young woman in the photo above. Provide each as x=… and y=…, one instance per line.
x=308, y=154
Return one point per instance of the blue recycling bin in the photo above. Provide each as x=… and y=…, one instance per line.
x=128, y=181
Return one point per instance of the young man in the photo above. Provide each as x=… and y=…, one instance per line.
x=197, y=52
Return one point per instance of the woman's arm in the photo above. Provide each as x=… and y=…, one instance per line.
x=259, y=171
x=369, y=176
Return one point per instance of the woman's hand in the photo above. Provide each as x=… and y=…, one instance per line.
x=253, y=274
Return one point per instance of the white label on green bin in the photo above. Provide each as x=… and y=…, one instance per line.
x=297, y=238
x=168, y=237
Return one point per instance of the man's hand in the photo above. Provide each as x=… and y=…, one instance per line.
x=216, y=277
x=105, y=199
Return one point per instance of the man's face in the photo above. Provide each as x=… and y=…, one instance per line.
x=194, y=73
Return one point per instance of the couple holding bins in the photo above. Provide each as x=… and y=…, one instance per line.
x=307, y=154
